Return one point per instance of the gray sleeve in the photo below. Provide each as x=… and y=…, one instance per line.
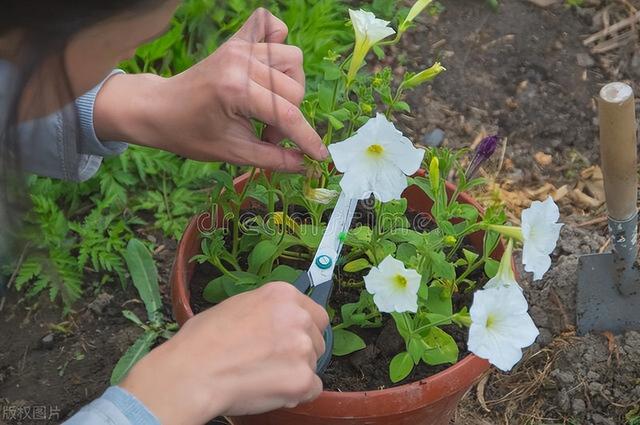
x=115, y=407
x=52, y=146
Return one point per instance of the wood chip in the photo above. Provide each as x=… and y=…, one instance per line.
x=583, y=200
x=600, y=35
x=543, y=158
x=480, y=391
x=543, y=3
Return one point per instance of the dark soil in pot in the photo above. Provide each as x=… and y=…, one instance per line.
x=367, y=369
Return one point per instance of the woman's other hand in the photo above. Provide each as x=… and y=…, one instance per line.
x=253, y=353
x=205, y=113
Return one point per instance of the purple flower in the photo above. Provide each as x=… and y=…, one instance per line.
x=483, y=152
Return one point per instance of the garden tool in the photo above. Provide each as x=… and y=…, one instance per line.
x=318, y=280
x=608, y=293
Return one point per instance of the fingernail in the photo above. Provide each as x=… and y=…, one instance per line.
x=324, y=152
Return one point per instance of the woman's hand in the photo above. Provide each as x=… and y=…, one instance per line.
x=204, y=113
x=253, y=353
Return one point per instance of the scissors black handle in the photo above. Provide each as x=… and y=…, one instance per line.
x=320, y=294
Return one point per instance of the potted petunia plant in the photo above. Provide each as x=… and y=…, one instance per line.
x=425, y=290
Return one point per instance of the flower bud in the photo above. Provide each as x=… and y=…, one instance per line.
x=424, y=76
x=434, y=174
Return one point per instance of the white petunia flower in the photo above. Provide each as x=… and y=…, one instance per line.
x=394, y=288
x=376, y=160
x=369, y=30
x=505, y=276
x=540, y=232
x=500, y=326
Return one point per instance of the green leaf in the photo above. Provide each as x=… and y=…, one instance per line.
x=471, y=257
x=137, y=351
x=402, y=325
x=215, y=291
x=441, y=267
x=133, y=317
x=400, y=367
x=357, y=265
x=145, y=277
x=282, y=273
x=378, y=51
x=346, y=342
x=491, y=267
x=443, y=348
x=416, y=348
x=263, y=252
x=406, y=252
x=438, y=302
x=336, y=123
x=402, y=106
x=223, y=178
x=311, y=235
x=325, y=97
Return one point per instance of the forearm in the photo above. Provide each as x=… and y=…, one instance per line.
x=125, y=107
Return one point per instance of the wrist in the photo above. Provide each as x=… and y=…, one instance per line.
x=124, y=108
x=174, y=393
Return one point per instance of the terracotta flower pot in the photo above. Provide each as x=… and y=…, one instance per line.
x=430, y=401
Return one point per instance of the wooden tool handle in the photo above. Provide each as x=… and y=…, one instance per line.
x=618, y=149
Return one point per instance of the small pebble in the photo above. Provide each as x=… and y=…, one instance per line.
x=578, y=406
x=585, y=60
x=434, y=138
x=47, y=341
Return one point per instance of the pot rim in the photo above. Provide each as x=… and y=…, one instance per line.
x=444, y=383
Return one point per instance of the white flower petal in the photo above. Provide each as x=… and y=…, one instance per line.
x=540, y=232
x=389, y=184
x=389, y=296
x=500, y=325
x=374, y=281
x=384, y=303
x=343, y=153
x=368, y=28
x=376, y=161
x=535, y=261
x=485, y=345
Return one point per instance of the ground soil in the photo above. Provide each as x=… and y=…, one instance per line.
x=522, y=72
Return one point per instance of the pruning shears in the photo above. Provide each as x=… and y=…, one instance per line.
x=317, y=282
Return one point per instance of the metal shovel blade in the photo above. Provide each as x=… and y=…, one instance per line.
x=601, y=306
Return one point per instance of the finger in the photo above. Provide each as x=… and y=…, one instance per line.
x=276, y=111
x=277, y=82
x=318, y=314
x=265, y=155
x=315, y=391
x=262, y=26
x=272, y=135
x=283, y=57
x=317, y=338
x=312, y=394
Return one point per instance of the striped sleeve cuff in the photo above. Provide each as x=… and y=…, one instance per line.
x=89, y=142
x=133, y=409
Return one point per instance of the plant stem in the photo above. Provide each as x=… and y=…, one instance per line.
x=433, y=324
x=344, y=326
x=470, y=270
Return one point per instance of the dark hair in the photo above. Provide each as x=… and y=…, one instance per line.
x=44, y=29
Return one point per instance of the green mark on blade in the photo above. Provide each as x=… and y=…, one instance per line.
x=342, y=236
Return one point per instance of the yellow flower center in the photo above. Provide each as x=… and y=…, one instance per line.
x=490, y=321
x=400, y=281
x=375, y=150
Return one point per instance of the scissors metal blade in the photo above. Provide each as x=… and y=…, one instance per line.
x=324, y=262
